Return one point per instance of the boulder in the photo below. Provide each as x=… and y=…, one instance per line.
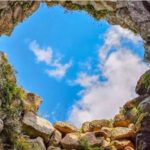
x=71, y=141
x=132, y=115
x=145, y=105
x=143, y=140
x=32, y=102
x=18, y=13
x=92, y=139
x=128, y=148
x=1, y=125
x=98, y=124
x=36, y=144
x=122, y=133
x=53, y=148
x=55, y=138
x=86, y=127
x=36, y=126
x=143, y=85
x=107, y=131
x=134, y=102
x=122, y=144
x=65, y=127
x=120, y=121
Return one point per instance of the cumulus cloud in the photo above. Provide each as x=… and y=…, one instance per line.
x=60, y=69
x=85, y=80
x=114, y=38
x=42, y=55
x=122, y=68
x=57, y=69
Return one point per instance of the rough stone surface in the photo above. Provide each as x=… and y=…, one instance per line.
x=143, y=141
x=92, y=139
x=71, y=141
x=53, y=148
x=65, y=127
x=145, y=105
x=32, y=102
x=55, y=138
x=122, y=144
x=36, y=144
x=121, y=121
x=143, y=85
x=36, y=126
x=1, y=125
x=122, y=133
x=98, y=124
x=86, y=127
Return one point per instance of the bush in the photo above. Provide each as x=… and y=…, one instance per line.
x=86, y=146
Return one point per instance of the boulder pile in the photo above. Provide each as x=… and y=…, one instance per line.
x=21, y=128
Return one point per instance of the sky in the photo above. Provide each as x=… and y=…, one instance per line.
x=82, y=68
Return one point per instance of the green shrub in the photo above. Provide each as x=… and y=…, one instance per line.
x=86, y=146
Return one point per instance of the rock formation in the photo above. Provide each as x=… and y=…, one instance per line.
x=134, y=15
x=22, y=129
x=20, y=126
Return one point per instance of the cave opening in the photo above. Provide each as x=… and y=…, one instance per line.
x=75, y=62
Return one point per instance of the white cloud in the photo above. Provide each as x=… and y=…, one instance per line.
x=57, y=70
x=42, y=55
x=86, y=80
x=60, y=69
x=113, y=39
x=122, y=68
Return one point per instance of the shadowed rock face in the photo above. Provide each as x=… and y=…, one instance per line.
x=134, y=15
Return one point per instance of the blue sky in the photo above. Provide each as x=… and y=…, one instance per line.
x=62, y=56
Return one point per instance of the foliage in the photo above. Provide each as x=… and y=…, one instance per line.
x=86, y=146
x=11, y=97
x=146, y=79
x=20, y=143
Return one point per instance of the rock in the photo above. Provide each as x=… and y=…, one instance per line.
x=92, y=139
x=53, y=148
x=107, y=131
x=132, y=115
x=134, y=102
x=143, y=85
x=65, y=127
x=122, y=133
x=32, y=102
x=1, y=125
x=145, y=105
x=143, y=140
x=3, y=4
x=98, y=124
x=122, y=144
x=120, y=121
x=55, y=138
x=36, y=144
x=36, y=126
x=71, y=141
x=105, y=143
x=128, y=148
x=18, y=13
x=86, y=127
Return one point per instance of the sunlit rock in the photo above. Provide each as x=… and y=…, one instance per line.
x=65, y=127
x=122, y=133
x=36, y=126
x=71, y=141
x=98, y=124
